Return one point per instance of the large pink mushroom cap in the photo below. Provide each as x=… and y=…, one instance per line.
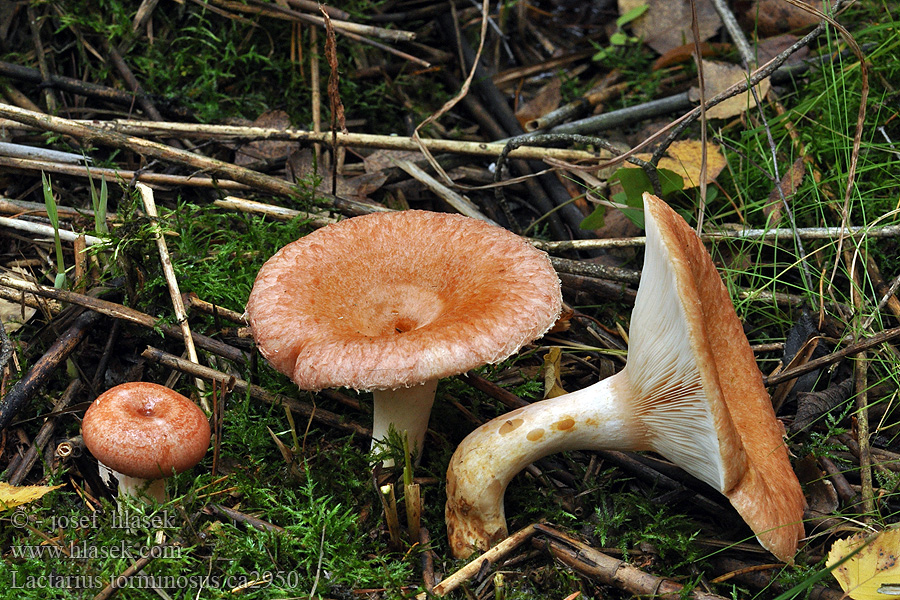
x=391, y=300
x=395, y=300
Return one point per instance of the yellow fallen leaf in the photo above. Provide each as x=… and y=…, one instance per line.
x=684, y=157
x=873, y=573
x=718, y=77
x=552, y=384
x=11, y=496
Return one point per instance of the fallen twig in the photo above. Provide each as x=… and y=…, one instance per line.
x=482, y=563
x=848, y=350
x=118, y=311
x=256, y=392
x=172, y=282
x=611, y=571
x=40, y=372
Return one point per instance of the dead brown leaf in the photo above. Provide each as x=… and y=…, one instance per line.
x=718, y=77
x=266, y=149
x=301, y=164
x=546, y=100
x=686, y=52
x=769, y=48
x=777, y=16
x=789, y=183
x=667, y=23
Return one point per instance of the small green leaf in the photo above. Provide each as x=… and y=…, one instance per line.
x=631, y=15
x=618, y=39
x=669, y=181
x=635, y=182
x=594, y=220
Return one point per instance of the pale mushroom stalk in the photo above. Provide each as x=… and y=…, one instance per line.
x=691, y=392
x=407, y=410
x=136, y=487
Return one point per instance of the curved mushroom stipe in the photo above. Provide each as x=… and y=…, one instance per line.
x=390, y=301
x=691, y=391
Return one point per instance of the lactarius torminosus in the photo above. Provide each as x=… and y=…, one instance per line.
x=144, y=432
x=392, y=302
x=691, y=391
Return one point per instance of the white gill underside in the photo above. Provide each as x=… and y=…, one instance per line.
x=663, y=372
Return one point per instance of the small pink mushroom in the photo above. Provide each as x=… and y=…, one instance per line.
x=144, y=433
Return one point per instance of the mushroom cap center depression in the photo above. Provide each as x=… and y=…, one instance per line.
x=396, y=299
x=399, y=309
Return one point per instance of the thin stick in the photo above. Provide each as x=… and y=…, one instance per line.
x=849, y=350
x=172, y=281
x=256, y=392
x=462, y=204
x=389, y=502
x=412, y=498
x=118, y=311
x=40, y=440
x=270, y=210
x=784, y=233
x=240, y=174
x=46, y=230
x=615, y=572
x=160, y=179
x=356, y=140
x=862, y=435
x=121, y=581
x=483, y=562
x=25, y=389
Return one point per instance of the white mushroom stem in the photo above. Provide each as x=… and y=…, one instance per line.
x=691, y=392
x=596, y=418
x=406, y=410
x=136, y=487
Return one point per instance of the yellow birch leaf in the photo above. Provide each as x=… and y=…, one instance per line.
x=685, y=157
x=873, y=573
x=11, y=496
x=552, y=384
x=718, y=77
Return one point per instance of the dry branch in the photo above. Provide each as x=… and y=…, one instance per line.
x=611, y=571
x=352, y=140
x=92, y=134
x=256, y=392
x=40, y=373
x=122, y=312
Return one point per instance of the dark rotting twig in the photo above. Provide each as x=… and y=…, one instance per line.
x=554, y=139
x=40, y=373
x=6, y=347
x=43, y=436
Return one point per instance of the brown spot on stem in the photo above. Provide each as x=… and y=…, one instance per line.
x=565, y=424
x=535, y=434
x=510, y=426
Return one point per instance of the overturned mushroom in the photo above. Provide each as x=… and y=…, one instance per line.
x=145, y=432
x=691, y=391
x=391, y=302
